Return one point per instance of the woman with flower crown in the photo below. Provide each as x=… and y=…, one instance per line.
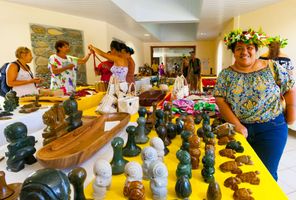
x=275, y=53
x=248, y=96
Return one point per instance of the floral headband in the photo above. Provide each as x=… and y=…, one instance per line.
x=248, y=37
x=283, y=42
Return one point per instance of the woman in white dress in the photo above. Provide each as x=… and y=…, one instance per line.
x=19, y=76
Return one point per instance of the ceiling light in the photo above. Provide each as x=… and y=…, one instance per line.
x=146, y=35
x=203, y=33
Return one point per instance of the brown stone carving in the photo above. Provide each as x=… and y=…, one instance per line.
x=54, y=118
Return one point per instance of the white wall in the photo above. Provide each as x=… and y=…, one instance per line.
x=277, y=19
x=15, y=32
x=130, y=41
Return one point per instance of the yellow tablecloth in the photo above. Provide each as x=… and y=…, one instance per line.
x=267, y=189
x=84, y=103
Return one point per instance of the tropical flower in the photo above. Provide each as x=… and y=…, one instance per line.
x=250, y=36
x=283, y=42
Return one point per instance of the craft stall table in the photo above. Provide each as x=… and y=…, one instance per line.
x=267, y=189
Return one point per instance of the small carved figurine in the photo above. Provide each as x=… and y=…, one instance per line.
x=151, y=117
x=10, y=191
x=46, y=183
x=11, y=101
x=184, y=166
x=235, y=145
x=159, y=180
x=103, y=174
x=179, y=126
x=118, y=162
x=214, y=191
x=134, y=191
x=134, y=188
x=208, y=166
x=194, y=151
x=158, y=145
x=229, y=153
x=197, y=118
x=225, y=139
x=133, y=172
x=131, y=149
x=74, y=115
x=225, y=129
x=232, y=183
x=159, y=118
x=249, y=177
x=243, y=194
x=141, y=137
x=77, y=177
x=171, y=130
x=142, y=113
x=31, y=107
x=21, y=147
x=148, y=155
x=231, y=166
x=54, y=119
x=185, y=136
x=183, y=187
x=162, y=134
x=245, y=159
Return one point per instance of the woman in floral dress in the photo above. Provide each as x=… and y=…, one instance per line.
x=63, y=67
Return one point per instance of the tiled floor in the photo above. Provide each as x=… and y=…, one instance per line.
x=287, y=167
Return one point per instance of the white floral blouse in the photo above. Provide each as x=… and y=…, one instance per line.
x=67, y=79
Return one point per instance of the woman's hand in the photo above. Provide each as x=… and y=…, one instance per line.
x=242, y=130
x=91, y=47
x=70, y=66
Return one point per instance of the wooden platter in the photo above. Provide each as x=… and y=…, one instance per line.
x=150, y=96
x=77, y=146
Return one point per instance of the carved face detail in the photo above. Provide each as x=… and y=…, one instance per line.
x=15, y=131
x=149, y=154
x=134, y=171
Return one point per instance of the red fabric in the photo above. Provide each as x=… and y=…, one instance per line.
x=104, y=69
x=208, y=82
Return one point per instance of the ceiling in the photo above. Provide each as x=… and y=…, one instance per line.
x=157, y=20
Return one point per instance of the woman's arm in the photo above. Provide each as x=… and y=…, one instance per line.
x=290, y=98
x=11, y=76
x=84, y=59
x=56, y=70
x=230, y=117
x=103, y=54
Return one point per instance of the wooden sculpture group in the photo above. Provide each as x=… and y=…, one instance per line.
x=62, y=119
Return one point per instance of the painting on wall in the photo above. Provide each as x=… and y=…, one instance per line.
x=43, y=39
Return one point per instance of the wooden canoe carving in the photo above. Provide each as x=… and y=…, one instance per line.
x=80, y=144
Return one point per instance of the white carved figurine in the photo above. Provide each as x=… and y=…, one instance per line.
x=159, y=180
x=103, y=177
x=158, y=145
x=149, y=155
x=133, y=172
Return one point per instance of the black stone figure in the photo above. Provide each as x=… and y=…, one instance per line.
x=46, y=184
x=159, y=118
x=162, y=134
x=142, y=113
x=21, y=147
x=74, y=115
x=118, y=162
x=131, y=149
x=141, y=137
x=77, y=177
x=11, y=101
